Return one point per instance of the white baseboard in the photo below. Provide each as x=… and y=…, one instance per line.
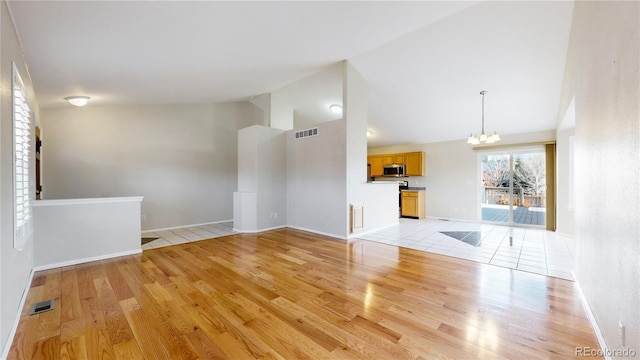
x=23, y=299
x=592, y=319
x=317, y=232
x=14, y=328
x=85, y=260
x=356, y=235
x=259, y=230
x=291, y=227
x=250, y=231
x=184, y=226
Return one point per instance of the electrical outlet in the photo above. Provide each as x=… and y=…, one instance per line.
x=621, y=333
x=143, y=217
x=275, y=214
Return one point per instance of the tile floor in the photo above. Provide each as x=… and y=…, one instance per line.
x=532, y=250
x=187, y=234
x=527, y=249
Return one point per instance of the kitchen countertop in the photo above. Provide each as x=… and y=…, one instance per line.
x=414, y=188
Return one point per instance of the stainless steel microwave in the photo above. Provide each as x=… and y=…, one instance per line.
x=394, y=170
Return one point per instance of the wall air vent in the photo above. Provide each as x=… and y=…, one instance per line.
x=41, y=307
x=306, y=133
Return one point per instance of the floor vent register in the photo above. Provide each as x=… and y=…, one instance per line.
x=42, y=306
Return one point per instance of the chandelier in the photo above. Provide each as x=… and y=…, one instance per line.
x=483, y=138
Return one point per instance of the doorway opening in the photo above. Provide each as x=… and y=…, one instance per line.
x=38, y=163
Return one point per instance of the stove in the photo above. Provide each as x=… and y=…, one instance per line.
x=402, y=185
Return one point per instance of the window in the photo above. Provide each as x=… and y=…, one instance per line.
x=518, y=185
x=21, y=149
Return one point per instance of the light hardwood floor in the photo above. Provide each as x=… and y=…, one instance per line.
x=295, y=295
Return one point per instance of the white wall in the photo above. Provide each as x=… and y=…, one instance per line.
x=565, y=187
x=355, y=112
x=380, y=201
x=316, y=166
x=451, y=174
x=262, y=179
x=281, y=112
x=72, y=231
x=305, y=103
x=316, y=177
x=272, y=179
x=602, y=73
x=245, y=215
x=181, y=158
x=316, y=173
x=263, y=102
x=15, y=265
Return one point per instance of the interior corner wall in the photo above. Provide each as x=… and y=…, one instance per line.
x=181, y=158
x=602, y=72
x=316, y=187
x=262, y=179
x=263, y=102
x=281, y=113
x=15, y=265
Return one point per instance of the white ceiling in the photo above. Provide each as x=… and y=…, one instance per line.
x=425, y=62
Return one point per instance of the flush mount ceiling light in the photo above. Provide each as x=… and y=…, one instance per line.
x=477, y=139
x=78, y=100
x=369, y=133
x=336, y=109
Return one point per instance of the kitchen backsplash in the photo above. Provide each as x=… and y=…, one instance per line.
x=414, y=181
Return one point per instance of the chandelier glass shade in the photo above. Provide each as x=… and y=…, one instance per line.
x=483, y=138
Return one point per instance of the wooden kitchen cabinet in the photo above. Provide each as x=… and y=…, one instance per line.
x=377, y=164
x=413, y=204
x=414, y=162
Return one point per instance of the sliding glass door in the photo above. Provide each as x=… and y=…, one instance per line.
x=530, y=187
x=514, y=187
x=496, y=197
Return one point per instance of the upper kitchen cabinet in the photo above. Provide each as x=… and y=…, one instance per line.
x=377, y=164
x=414, y=162
x=393, y=159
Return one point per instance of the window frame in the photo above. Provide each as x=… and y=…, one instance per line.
x=21, y=120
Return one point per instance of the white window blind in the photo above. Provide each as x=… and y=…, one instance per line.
x=22, y=153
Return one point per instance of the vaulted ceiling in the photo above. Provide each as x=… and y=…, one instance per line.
x=425, y=62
